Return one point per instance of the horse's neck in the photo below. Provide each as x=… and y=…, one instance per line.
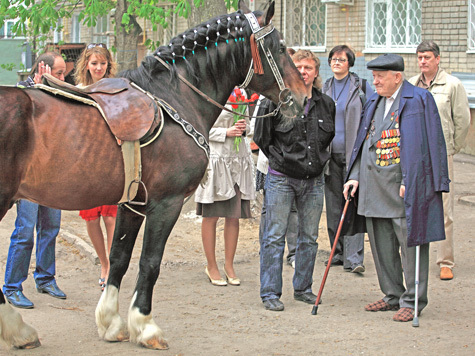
x=195, y=108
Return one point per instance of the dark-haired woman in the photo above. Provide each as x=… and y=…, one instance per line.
x=349, y=93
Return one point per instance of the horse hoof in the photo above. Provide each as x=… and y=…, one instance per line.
x=30, y=345
x=156, y=344
x=123, y=336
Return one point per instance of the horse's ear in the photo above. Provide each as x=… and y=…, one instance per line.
x=269, y=12
x=242, y=6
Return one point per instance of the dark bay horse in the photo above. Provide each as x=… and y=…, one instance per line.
x=60, y=153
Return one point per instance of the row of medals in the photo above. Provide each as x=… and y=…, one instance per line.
x=387, y=148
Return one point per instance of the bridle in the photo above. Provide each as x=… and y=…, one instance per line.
x=257, y=37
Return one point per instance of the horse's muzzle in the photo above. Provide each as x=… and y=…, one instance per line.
x=289, y=107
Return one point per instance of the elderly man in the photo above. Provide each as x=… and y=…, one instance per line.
x=452, y=102
x=399, y=169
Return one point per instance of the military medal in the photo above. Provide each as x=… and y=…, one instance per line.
x=387, y=147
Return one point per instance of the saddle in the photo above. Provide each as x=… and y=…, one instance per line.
x=129, y=112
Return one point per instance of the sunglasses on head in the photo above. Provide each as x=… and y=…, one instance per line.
x=92, y=45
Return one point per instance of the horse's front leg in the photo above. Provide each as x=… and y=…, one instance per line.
x=111, y=326
x=161, y=217
x=14, y=332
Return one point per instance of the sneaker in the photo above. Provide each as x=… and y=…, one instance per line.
x=293, y=264
x=18, y=299
x=358, y=269
x=273, y=304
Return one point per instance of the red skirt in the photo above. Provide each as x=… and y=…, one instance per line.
x=95, y=213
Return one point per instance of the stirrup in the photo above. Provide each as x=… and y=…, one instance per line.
x=131, y=202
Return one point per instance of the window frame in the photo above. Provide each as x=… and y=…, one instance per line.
x=369, y=26
x=5, y=36
x=100, y=38
x=471, y=19
x=321, y=48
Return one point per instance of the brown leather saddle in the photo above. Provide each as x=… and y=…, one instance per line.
x=130, y=113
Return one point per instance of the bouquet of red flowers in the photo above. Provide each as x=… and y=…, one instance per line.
x=239, y=108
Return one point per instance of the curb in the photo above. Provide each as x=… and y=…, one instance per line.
x=467, y=200
x=83, y=248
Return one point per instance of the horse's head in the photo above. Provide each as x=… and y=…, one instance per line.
x=272, y=72
x=218, y=54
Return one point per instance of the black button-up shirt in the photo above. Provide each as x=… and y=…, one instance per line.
x=297, y=147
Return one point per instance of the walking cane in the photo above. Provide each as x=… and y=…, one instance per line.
x=415, y=321
x=335, y=242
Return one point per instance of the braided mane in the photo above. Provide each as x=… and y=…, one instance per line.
x=230, y=30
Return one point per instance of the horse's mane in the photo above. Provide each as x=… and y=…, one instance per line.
x=233, y=30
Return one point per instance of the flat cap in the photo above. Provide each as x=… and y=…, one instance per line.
x=388, y=61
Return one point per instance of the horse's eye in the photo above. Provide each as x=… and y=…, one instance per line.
x=282, y=49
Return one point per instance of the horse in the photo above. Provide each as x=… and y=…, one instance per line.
x=61, y=153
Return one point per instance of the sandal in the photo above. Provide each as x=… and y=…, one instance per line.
x=404, y=314
x=102, y=283
x=380, y=305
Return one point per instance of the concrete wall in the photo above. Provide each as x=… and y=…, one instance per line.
x=11, y=53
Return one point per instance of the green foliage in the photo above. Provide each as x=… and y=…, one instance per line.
x=12, y=66
x=38, y=18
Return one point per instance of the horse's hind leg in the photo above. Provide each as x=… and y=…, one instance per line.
x=161, y=217
x=111, y=326
x=14, y=332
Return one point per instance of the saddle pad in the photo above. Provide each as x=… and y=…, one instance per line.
x=129, y=112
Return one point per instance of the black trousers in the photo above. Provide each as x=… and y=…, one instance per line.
x=350, y=249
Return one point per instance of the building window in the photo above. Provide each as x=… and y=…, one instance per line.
x=393, y=24
x=304, y=24
x=58, y=32
x=6, y=29
x=75, y=29
x=99, y=34
x=471, y=25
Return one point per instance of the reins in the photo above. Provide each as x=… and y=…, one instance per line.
x=210, y=100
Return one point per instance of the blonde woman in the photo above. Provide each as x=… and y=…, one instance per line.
x=94, y=64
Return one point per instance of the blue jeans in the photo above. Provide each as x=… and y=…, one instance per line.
x=281, y=191
x=47, y=223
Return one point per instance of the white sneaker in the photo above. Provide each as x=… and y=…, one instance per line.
x=293, y=264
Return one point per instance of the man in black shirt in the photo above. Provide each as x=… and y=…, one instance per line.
x=297, y=150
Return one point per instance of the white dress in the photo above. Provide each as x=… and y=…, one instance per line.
x=226, y=166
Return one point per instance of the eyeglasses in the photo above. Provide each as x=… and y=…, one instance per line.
x=92, y=45
x=341, y=60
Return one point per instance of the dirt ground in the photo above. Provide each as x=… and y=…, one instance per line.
x=200, y=319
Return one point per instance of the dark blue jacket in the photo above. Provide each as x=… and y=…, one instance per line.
x=423, y=163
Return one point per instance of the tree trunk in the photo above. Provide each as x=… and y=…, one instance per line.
x=126, y=42
x=209, y=9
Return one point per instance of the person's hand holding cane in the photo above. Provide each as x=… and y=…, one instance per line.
x=346, y=187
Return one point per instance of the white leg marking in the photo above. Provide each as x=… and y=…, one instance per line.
x=110, y=325
x=14, y=331
x=143, y=329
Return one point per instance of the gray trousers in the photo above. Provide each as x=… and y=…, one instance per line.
x=393, y=259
